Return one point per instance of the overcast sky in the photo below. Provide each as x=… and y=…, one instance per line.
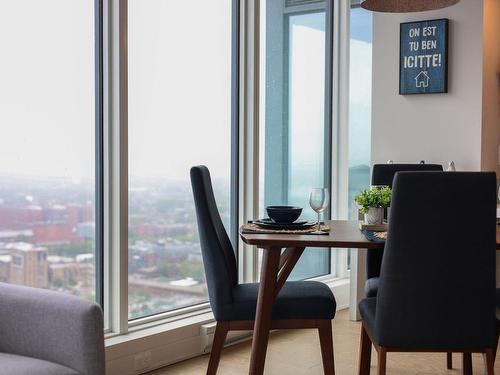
x=179, y=87
x=47, y=87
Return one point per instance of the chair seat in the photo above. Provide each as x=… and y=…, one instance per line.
x=371, y=287
x=19, y=365
x=367, y=306
x=296, y=300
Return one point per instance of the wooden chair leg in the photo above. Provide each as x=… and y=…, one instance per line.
x=467, y=363
x=382, y=357
x=365, y=352
x=449, y=360
x=326, y=341
x=219, y=338
x=490, y=362
x=498, y=336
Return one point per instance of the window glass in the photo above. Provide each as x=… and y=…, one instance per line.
x=179, y=116
x=47, y=147
x=360, y=104
x=292, y=137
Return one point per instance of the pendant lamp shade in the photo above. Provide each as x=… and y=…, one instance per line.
x=406, y=6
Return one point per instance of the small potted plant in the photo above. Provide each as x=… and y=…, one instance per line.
x=372, y=202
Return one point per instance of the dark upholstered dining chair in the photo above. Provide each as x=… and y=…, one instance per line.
x=440, y=249
x=300, y=304
x=383, y=174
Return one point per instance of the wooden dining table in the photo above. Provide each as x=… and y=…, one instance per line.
x=281, y=253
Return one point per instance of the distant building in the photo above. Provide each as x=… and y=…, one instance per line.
x=29, y=265
x=86, y=230
x=162, y=230
x=20, y=217
x=55, y=213
x=85, y=258
x=66, y=272
x=143, y=254
x=16, y=235
x=5, y=261
x=56, y=234
x=79, y=213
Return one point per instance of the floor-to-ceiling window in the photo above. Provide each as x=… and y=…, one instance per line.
x=180, y=95
x=48, y=145
x=182, y=103
x=295, y=129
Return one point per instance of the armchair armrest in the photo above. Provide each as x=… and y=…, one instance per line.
x=52, y=326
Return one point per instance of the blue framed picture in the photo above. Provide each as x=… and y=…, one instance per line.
x=423, y=64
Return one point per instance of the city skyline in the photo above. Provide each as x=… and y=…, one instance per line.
x=57, y=221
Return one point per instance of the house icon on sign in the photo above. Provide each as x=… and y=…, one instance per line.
x=422, y=79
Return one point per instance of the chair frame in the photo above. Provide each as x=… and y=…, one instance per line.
x=366, y=342
x=284, y=263
x=324, y=327
x=276, y=267
x=467, y=357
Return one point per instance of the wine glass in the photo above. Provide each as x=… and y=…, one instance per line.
x=318, y=201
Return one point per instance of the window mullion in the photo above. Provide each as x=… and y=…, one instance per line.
x=116, y=168
x=99, y=225
x=249, y=131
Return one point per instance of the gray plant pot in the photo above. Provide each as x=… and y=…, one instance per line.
x=374, y=216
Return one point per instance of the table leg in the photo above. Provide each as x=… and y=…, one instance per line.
x=287, y=263
x=357, y=282
x=263, y=314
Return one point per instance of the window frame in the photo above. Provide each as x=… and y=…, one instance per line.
x=233, y=230
x=244, y=149
x=115, y=171
x=325, y=7
x=99, y=153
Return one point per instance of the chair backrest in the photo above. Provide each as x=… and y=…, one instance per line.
x=383, y=174
x=218, y=255
x=437, y=284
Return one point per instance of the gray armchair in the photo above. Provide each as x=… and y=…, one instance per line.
x=48, y=333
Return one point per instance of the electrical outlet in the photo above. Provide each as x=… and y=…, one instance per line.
x=142, y=361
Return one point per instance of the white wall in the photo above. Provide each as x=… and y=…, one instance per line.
x=435, y=127
x=462, y=125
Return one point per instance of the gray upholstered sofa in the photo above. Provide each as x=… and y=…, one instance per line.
x=48, y=333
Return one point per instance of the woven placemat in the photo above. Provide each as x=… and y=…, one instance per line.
x=375, y=236
x=253, y=228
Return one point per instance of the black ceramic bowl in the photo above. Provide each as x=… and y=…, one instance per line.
x=283, y=214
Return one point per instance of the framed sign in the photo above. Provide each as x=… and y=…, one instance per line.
x=423, y=64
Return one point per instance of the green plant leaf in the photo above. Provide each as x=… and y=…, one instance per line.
x=373, y=198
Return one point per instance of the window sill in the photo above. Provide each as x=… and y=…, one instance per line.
x=159, y=327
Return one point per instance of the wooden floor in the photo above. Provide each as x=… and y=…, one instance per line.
x=297, y=352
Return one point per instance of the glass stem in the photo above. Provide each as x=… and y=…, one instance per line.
x=319, y=225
